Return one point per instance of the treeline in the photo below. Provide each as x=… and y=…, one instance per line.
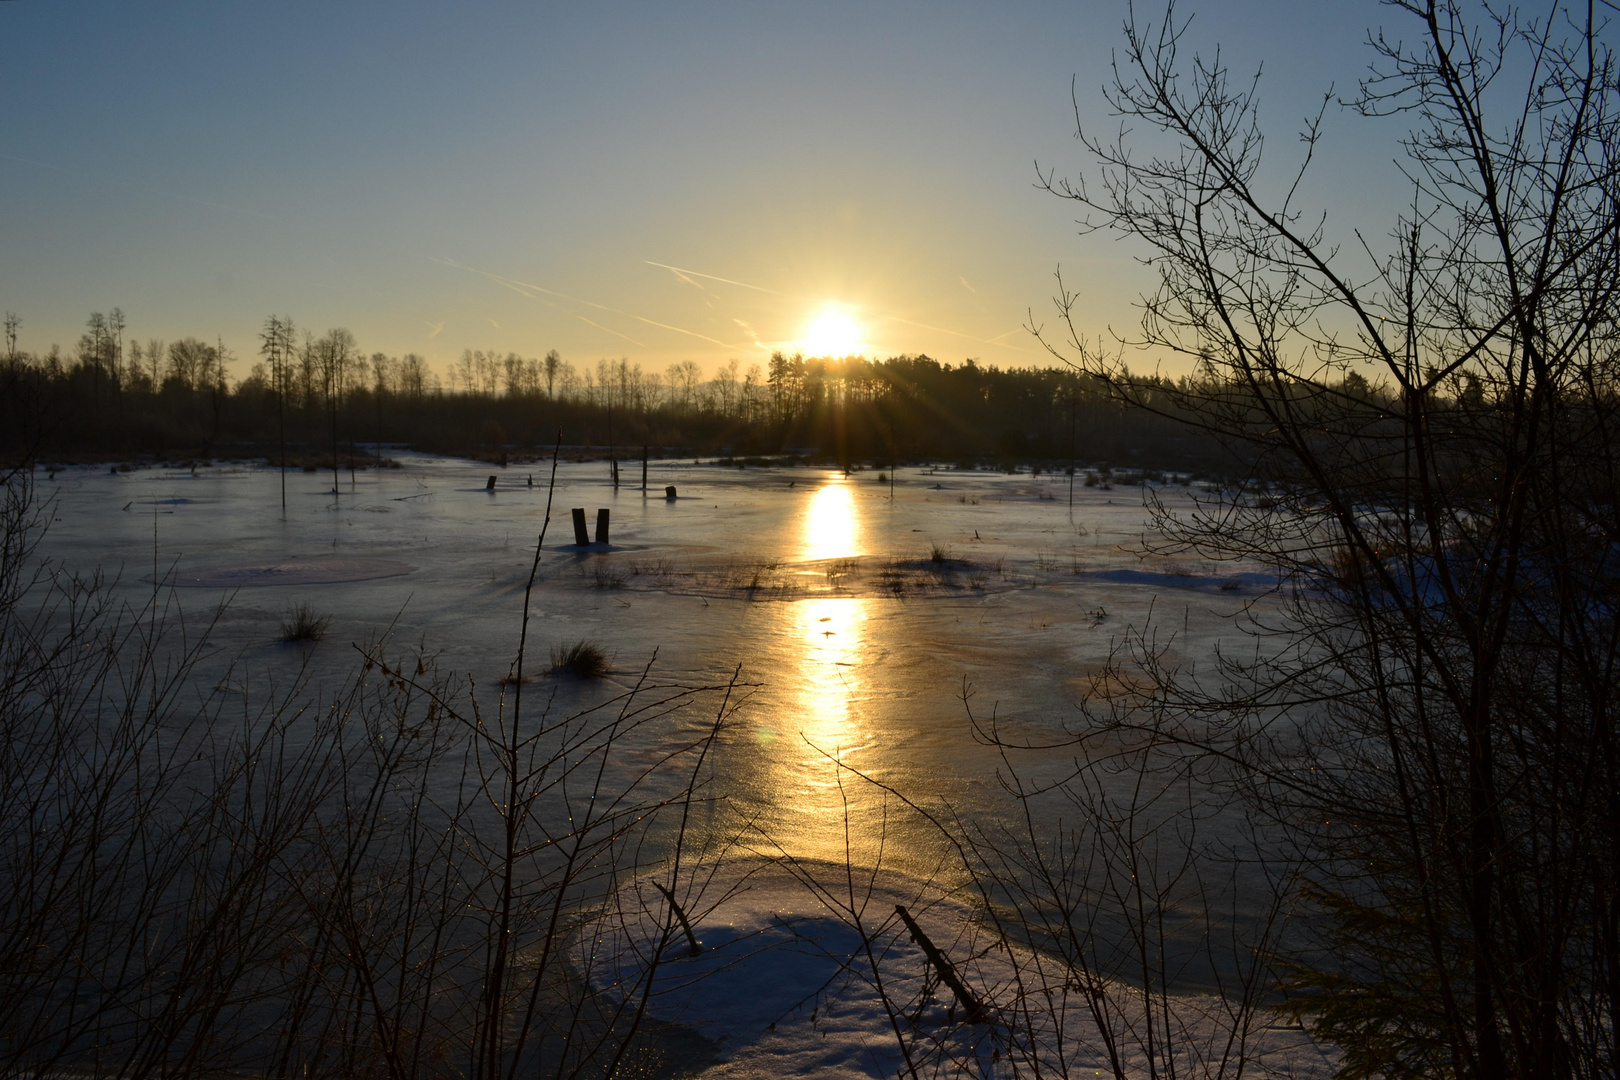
x=311, y=393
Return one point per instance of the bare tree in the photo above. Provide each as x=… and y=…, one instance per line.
x=95, y=351
x=336, y=353
x=413, y=374
x=553, y=365
x=190, y=364
x=1427, y=725
x=155, y=352
x=217, y=383
x=276, y=346
x=115, y=343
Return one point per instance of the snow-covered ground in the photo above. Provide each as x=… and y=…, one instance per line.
x=806, y=969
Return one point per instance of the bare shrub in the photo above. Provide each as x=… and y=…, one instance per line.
x=1427, y=429
x=283, y=883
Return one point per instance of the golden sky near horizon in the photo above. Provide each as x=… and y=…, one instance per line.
x=708, y=183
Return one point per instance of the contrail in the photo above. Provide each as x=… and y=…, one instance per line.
x=958, y=333
x=712, y=277
x=615, y=333
x=750, y=331
x=678, y=330
x=996, y=341
x=683, y=277
x=520, y=286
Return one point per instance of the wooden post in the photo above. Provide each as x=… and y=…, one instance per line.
x=581, y=537
x=891, y=459
x=490, y=486
x=601, y=525
x=669, y=491
x=644, y=468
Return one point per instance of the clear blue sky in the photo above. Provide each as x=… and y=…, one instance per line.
x=440, y=176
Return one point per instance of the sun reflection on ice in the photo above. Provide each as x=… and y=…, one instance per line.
x=831, y=629
x=826, y=727
x=824, y=641
x=832, y=525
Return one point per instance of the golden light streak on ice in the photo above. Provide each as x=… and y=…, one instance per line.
x=832, y=523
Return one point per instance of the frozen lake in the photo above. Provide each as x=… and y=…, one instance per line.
x=825, y=589
x=859, y=612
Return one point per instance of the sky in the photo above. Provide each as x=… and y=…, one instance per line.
x=696, y=182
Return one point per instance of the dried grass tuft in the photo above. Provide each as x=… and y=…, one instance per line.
x=584, y=659
x=303, y=624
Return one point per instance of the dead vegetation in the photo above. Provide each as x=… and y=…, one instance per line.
x=583, y=659
x=937, y=572
x=303, y=625
x=224, y=884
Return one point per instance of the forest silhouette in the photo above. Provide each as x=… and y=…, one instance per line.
x=112, y=399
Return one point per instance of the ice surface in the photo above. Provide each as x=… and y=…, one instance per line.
x=317, y=571
x=826, y=590
x=863, y=612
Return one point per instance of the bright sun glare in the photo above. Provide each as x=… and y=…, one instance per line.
x=831, y=333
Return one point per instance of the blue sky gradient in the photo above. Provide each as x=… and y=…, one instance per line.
x=441, y=176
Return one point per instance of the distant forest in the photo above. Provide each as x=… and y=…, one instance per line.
x=112, y=398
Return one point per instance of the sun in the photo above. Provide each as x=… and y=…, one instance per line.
x=831, y=333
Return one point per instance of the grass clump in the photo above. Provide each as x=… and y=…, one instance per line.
x=303, y=624
x=839, y=569
x=938, y=554
x=585, y=659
